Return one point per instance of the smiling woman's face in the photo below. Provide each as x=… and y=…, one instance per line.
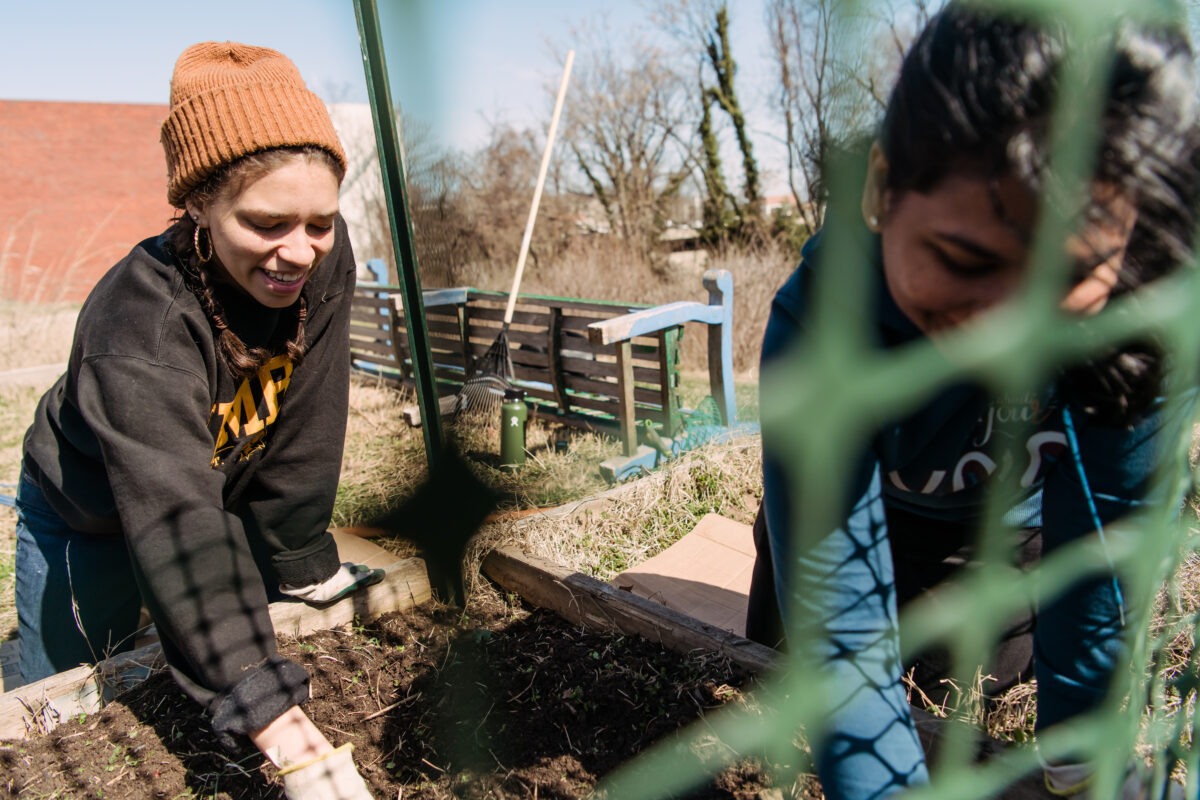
x=963, y=247
x=272, y=233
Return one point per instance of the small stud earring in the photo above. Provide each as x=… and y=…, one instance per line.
x=873, y=222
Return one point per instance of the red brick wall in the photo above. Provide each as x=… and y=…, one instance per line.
x=80, y=184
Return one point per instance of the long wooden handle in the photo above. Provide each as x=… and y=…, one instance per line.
x=537, y=192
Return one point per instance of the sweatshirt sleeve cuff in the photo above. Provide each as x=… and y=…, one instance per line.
x=313, y=564
x=257, y=700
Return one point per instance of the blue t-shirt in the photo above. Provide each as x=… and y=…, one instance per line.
x=940, y=461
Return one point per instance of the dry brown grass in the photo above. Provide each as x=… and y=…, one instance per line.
x=34, y=335
x=622, y=527
x=384, y=459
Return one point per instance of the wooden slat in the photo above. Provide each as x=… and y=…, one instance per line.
x=589, y=368
x=370, y=331
x=575, y=344
x=476, y=296
x=367, y=316
x=523, y=372
x=448, y=373
x=377, y=337
x=370, y=359
x=447, y=347
x=538, y=319
x=538, y=392
x=554, y=348
x=371, y=347
x=627, y=413
x=450, y=319
x=442, y=343
x=580, y=324
x=608, y=369
x=442, y=326
x=644, y=350
x=610, y=407
x=641, y=394
x=363, y=301
x=534, y=340
x=586, y=601
x=646, y=375
x=530, y=358
x=485, y=336
x=668, y=376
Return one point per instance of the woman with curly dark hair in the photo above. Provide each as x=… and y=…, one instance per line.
x=956, y=183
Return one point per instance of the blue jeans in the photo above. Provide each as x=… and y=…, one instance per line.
x=842, y=589
x=77, y=601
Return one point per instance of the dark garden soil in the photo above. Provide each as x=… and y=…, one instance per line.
x=496, y=702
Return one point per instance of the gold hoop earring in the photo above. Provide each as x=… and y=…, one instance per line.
x=196, y=245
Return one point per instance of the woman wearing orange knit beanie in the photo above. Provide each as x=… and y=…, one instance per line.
x=189, y=457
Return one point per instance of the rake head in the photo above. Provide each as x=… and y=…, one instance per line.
x=483, y=392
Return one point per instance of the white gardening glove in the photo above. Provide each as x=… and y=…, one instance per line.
x=328, y=777
x=348, y=579
x=1075, y=780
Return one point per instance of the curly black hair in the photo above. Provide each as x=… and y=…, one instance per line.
x=976, y=92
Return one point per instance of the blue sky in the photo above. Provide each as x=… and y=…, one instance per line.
x=464, y=60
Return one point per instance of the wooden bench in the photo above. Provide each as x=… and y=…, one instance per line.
x=597, y=364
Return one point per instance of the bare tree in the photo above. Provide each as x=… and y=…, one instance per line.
x=895, y=28
x=496, y=194
x=723, y=93
x=702, y=28
x=812, y=93
x=626, y=126
x=835, y=74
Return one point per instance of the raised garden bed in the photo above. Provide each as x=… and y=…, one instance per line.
x=499, y=700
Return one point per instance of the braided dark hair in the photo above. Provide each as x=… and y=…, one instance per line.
x=976, y=92
x=241, y=359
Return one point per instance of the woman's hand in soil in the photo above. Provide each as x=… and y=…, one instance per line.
x=328, y=777
x=309, y=765
x=291, y=739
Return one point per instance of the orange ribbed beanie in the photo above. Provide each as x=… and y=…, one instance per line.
x=229, y=100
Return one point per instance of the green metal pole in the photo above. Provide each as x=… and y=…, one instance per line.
x=391, y=164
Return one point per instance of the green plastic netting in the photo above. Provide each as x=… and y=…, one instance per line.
x=817, y=399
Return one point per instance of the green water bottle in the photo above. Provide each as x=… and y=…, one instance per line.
x=513, y=415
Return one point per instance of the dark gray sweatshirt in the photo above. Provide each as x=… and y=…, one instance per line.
x=217, y=484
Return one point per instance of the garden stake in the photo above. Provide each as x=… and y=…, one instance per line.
x=483, y=390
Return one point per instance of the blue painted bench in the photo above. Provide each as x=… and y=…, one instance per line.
x=601, y=365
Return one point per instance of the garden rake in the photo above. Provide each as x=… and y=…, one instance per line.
x=483, y=391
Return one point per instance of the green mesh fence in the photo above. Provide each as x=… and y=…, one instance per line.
x=813, y=406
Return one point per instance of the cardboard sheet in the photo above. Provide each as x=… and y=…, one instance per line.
x=361, y=551
x=705, y=575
